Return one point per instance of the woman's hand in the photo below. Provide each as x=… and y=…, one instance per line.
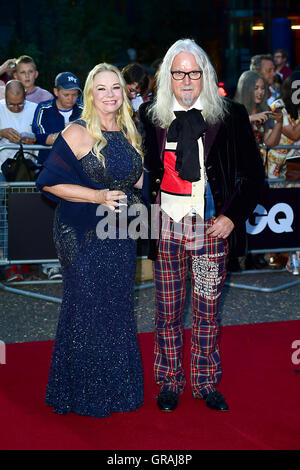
x=77, y=193
x=111, y=199
x=260, y=117
x=277, y=115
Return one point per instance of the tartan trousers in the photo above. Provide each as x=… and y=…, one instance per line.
x=185, y=246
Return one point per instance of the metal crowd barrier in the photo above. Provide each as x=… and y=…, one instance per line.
x=283, y=147
x=12, y=189
x=25, y=147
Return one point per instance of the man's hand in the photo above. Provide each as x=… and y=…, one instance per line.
x=11, y=135
x=221, y=228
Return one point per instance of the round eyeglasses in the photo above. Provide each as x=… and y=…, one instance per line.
x=193, y=74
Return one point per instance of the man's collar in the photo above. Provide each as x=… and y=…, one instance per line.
x=178, y=107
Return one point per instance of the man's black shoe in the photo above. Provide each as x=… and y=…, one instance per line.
x=216, y=401
x=167, y=401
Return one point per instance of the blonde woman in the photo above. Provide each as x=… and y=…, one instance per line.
x=95, y=163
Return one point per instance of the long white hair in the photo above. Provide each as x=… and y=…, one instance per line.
x=214, y=106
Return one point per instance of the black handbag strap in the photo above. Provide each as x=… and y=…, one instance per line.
x=21, y=153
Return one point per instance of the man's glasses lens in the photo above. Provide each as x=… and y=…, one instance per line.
x=193, y=75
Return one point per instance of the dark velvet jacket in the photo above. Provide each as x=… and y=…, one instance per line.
x=233, y=165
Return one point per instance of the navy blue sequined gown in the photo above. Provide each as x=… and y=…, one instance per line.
x=96, y=366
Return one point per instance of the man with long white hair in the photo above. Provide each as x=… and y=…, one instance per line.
x=206, y=174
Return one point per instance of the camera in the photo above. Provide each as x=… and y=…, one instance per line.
x=277, y=105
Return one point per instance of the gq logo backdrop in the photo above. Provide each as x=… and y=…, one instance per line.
x=275, y=222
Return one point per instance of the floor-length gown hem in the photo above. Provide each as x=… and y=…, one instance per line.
x=90, y=412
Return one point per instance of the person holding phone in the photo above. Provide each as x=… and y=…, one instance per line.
x=16, y=116
x=277, y=158
x=252, y=92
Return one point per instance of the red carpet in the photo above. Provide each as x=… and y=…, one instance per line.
x=259, y=383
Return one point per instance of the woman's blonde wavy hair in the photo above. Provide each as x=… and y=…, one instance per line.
x=92, y=120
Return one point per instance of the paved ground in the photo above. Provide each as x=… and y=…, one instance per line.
x=27, y=319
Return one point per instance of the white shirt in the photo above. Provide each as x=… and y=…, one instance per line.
x=178, y=206
x=66, y=115
x=20, y=122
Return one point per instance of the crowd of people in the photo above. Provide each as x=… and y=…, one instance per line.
x=174, y=140
x=275, y=120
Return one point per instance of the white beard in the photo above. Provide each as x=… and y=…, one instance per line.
x=188, y=99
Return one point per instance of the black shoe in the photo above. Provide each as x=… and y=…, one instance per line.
x=216, y=401
x=167, y=401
